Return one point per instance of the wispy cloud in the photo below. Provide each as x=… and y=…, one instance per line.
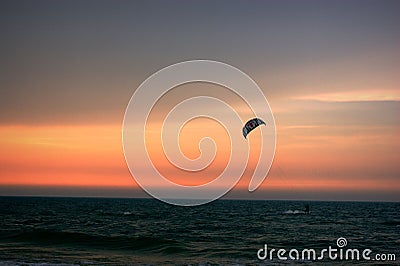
x=302, y=127
x=354, y=96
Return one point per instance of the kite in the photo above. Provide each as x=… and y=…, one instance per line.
x=252, y=124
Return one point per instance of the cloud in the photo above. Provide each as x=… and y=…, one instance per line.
x=312, y=112
x=354, y=96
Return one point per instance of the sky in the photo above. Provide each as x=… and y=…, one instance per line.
x=329, y=69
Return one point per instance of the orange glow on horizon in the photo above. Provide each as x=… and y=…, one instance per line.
x=92, y=156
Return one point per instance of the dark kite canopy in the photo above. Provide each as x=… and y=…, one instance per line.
x=252, y=124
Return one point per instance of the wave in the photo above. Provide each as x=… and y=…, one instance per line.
x=120, y=242
x=19, y=263
x=392, y=223
x=294, y=212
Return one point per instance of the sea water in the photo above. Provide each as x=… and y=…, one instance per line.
x=100, y=231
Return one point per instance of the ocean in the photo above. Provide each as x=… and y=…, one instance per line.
x=109, y=231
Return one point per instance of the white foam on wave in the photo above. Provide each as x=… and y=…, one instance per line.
x=294, y=212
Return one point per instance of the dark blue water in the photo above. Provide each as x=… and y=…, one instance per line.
x=93, y=231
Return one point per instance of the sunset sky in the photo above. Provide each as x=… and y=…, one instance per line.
x=329, y=69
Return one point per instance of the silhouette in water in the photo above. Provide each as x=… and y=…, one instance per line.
x=307, y=209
